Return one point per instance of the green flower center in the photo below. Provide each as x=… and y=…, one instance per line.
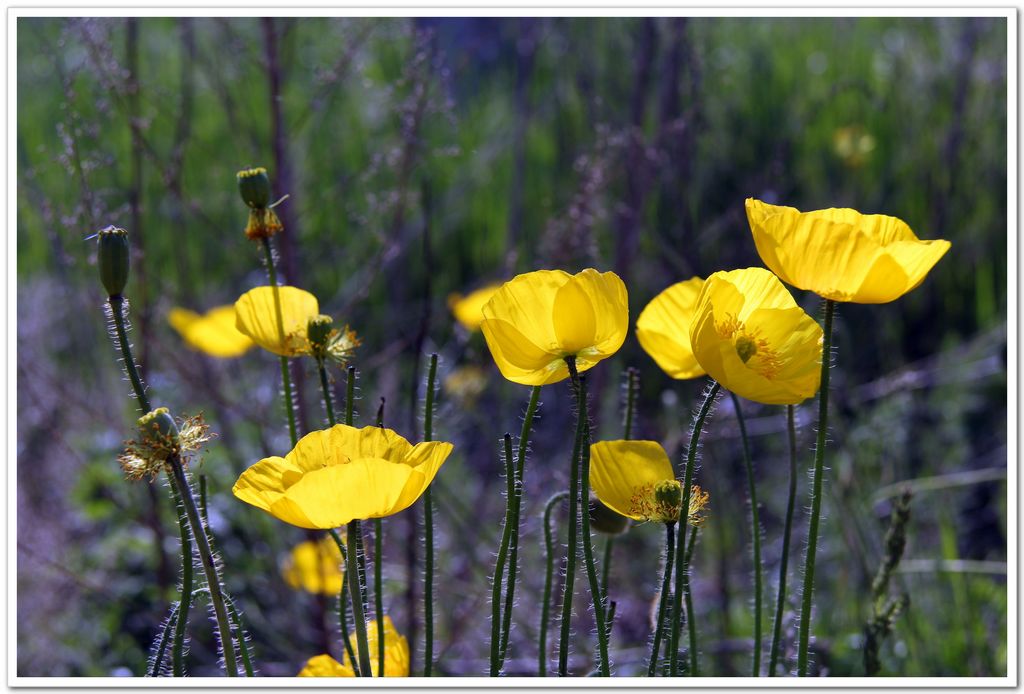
x=745, y=348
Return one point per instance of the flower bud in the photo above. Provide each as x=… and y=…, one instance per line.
x=158, y=425
x=605, y=520
x=254, y=185
x=113, y=259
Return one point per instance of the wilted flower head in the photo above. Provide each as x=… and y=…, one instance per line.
x=160, y=437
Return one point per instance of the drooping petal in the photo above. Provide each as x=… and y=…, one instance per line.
x=256, y=316
x=663, y=329
x=841, y=254
x=468, y=310
x=426, y=459
x=214, y=333
x=619, y=468
x=263, y=484
x=325, y=666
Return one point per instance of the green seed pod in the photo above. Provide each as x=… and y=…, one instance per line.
x=113, y=259
x=254, y=185
x=158, y=425
x=605, y=520
x=669, y=493
x=318, y=331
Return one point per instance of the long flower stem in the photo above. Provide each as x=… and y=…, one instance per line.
x=286, y=380
x=819, y=473
x=243, y=645
x=378, y=590
x=517, y=505
x=356, y=583
x=549, y=569
x=606, y=563
x=428, y=528
x=666, y=583
x=755, y=533
x=572, y=549
x=343, y=603
x=682, y=570
x=597, y=597
x=499, y=565
x=180, y=481
x=165, y=637
x=787, y=531
x=178, y=652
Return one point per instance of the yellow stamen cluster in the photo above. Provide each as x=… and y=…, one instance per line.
x=263, y=223
x=147, y=456
x=753, y=350
x=660, y=502
x=698, y=504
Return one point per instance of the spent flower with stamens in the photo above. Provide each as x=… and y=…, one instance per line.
x=254, y=187
x=160, y=437
x=635, y=479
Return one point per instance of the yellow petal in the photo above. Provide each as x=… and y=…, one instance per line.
x=426, y=459
x=782, y=361
x=840, y=253
x=573, y=317
x=619, y=468
x=610, y=303
x=526, y=302
x=214, y=333
x=663, y=329
x=256, y=316
x=519, y=359
x=396, y=649
x=325, y=666
x=315, y=567
x=468, y=310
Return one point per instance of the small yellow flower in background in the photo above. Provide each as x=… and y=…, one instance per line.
x=256, y=317
x=341, y=474
x=663, y=329
x=636, y=480
x=841, y=254
x=396, y=655
x=468, y=310
x=466, y=383
x=213, y=333
x=853, y=144
x=536, y=320
x=315, y=567
x=749, y=335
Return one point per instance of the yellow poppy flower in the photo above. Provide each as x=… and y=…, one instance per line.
x=468, y=310
x=396, y=655
x=538, y=319
x=635, y=479
x=341, y=474
x=749, y=335
x=841, y=254
x=256, y=317
x=663, y=329
x=213, y=333
x=315, y=567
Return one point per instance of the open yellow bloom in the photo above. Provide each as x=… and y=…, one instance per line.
x=315, y=567
x=396, y=655
x=663, y=329
x=636, y=480
x=468, y=310
x=256, y=316
x=538, y=319
x=749, y=334
x=841, y=254
x=213, y=332
x=341, y=474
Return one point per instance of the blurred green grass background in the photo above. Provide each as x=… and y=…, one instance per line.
x=430, y=156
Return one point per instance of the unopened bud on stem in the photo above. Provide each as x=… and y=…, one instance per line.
x=113, y=259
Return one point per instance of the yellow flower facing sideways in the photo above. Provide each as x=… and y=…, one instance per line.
x=636, y=480
x=341, y=474
x=536, y=320
x=213, y=333
x=749, y=335
x=396, y=655
x=663, y=329
x=256, y=316
x=841, y=254
x=315, y=567
x=468, y=310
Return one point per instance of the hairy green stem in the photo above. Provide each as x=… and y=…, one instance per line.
x=549, y=559
x=499, y=564
x=165, y=637
x=517, y=504
x=597, y=597
x=428, y=529
x=606, y=563
x=343, y=603
x=243, y=645
x=572, y=549
x=378, y=590
x=755, y=533
x=682, y=569
x=356, y=587
x=666, y=583
x=819, y=473
x=178, y=652
x=780, y=601
x=632, y=384
x=286, y=380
